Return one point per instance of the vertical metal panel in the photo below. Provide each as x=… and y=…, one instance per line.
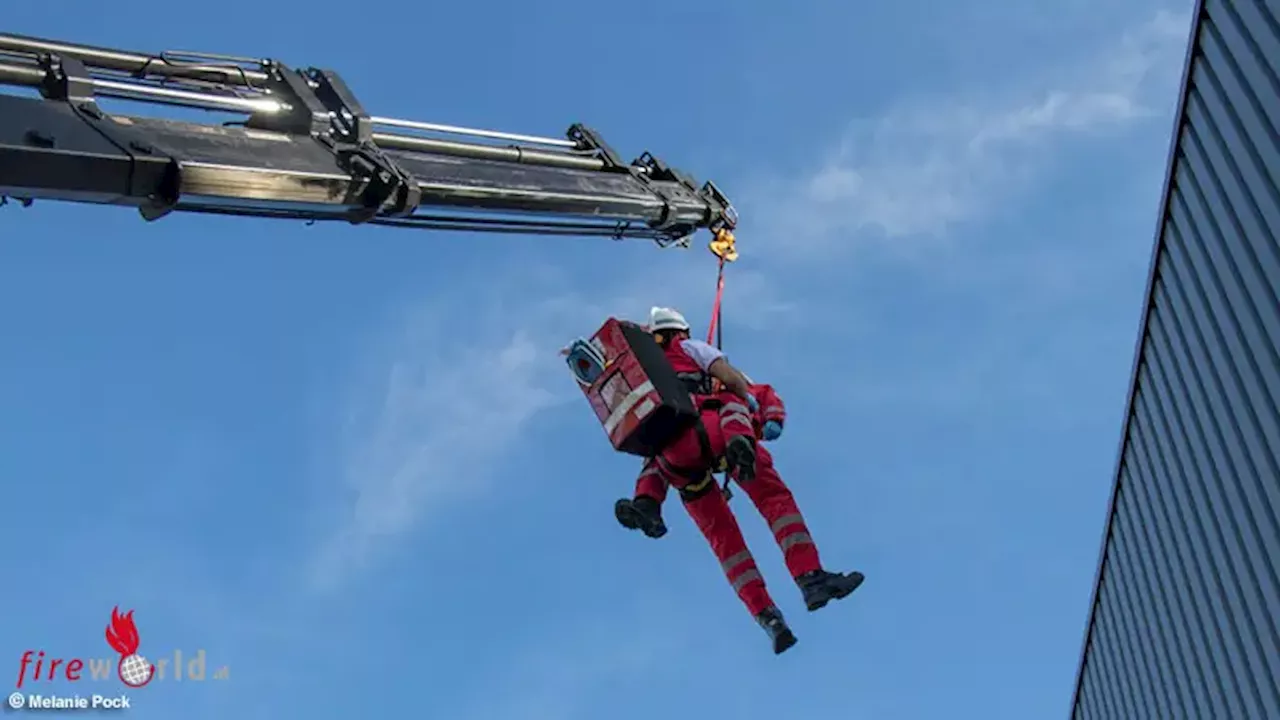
x=1185, y=616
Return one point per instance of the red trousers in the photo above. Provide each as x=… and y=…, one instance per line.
x=710, y=511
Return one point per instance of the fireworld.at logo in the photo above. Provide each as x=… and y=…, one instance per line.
x=131, y=667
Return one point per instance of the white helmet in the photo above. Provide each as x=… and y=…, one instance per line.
x=661, y=318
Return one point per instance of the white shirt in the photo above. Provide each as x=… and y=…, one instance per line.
x=701, y=353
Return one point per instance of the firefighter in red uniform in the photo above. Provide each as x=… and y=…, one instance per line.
x=733, y=420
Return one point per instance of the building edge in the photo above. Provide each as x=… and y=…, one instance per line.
x=1166, y=197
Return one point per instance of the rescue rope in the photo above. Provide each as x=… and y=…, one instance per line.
x=724, y=247
x=716, y=328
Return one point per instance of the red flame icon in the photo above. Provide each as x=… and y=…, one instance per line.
x=122, y=636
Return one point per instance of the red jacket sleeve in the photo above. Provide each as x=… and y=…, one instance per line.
x=771, y=405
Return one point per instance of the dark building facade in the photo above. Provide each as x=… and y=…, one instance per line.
x=1185, y=617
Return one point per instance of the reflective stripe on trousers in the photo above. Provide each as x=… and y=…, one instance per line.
x=741, y=569
x=735, y=419
x=798, y=534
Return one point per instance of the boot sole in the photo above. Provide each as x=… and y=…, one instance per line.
x=741, y=456
x=821, y=601
x=784, y=642
x=631, y=519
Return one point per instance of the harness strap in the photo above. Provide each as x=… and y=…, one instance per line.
x=704, y=443
x=716, y=464
x=696, y=383
x=702, y=478
x=693, y=491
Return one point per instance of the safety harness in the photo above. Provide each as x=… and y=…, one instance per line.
x=702, y=481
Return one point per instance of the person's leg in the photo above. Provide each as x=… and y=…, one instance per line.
x=643, y=512
x=712, y=515
x=778, y=506
x=710, y=512
x=651, y=484
x=682, y=465
x=735, y=425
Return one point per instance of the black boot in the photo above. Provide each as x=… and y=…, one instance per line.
x=643, y=514
x=821, y=587
x=740, y=454
x=776, y=628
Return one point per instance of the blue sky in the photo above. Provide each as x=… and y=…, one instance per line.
x=348, y=463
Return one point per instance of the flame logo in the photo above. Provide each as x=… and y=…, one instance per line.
x=122, y=636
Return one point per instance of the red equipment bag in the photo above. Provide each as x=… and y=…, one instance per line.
x=632, y=388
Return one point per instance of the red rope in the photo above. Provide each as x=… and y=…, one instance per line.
x=716, y=329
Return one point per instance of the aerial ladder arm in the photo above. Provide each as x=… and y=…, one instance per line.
x=300, y=145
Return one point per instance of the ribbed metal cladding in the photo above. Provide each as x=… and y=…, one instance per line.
x=1185, y=619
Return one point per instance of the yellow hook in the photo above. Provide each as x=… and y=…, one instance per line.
x=724, y=246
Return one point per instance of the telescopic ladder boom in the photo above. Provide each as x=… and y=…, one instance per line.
x=304, y=147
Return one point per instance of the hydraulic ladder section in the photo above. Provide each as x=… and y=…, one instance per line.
x=300, y=145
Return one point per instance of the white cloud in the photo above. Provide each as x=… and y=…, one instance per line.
x=927, y=165
x=428, y=430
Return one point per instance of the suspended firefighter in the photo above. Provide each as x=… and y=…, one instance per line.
x=686, y=434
